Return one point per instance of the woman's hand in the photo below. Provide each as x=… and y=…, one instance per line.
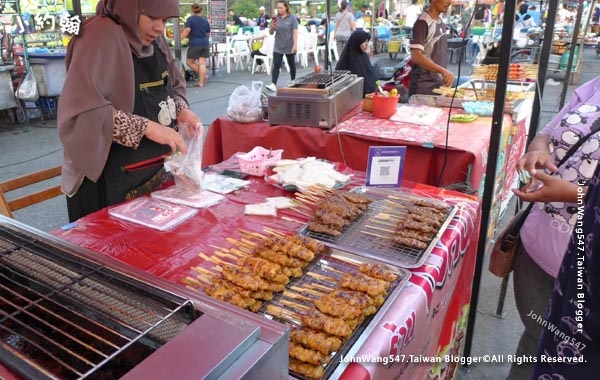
x=536, y=159
x=548, y=189
x=187, y=116
x=166, y=136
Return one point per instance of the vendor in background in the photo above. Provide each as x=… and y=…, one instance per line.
x=116, y=129
x=197, y=29
x=429, y=45
x=355, y=58
x=263, y=18
x=344, y=26
x=235, y=19
x=286, y=41
x=547, y=229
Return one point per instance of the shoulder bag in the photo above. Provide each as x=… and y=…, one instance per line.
x=502, y=258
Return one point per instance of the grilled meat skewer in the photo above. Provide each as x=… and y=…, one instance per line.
x=307, y=355
x=316, y=340
x=307, y=370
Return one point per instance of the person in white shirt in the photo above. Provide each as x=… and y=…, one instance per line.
x=411, y=14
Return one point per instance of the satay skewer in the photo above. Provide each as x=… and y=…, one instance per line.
x=303, y=213
x=190, y=281
x=252, y=234
x=322, y=277
x=324, y=288
x=280, y=312
x=332, y=269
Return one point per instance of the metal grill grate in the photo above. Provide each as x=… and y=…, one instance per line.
x=327, y=270
x=368, y=235
x=321, y=80
x=67, y=318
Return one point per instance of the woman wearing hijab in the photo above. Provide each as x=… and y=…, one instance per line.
x=123, y=96
x=355, y=59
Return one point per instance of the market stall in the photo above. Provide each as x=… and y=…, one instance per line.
x=426, y=318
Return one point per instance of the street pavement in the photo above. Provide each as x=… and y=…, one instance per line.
x=34, y=146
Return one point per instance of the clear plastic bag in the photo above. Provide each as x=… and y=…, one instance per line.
x=27, y=90
x=187, y=168
x=245, y=103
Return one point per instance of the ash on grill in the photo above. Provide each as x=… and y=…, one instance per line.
x=68, y=318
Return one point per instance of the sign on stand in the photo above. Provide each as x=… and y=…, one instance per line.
x=218, y=20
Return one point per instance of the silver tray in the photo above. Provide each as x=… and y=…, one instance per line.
x=365, y=237
x=328, y=264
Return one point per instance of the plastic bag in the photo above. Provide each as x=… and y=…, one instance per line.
x=244, y=103
x=187, y=168
x=27, y=90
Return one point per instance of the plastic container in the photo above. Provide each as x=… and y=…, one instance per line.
x=258, y=159
x=384, y=106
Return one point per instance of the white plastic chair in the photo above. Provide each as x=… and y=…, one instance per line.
x=267, y=48
x=242, y=53
x=332, y=48
x=301, y=50
x=310, y=46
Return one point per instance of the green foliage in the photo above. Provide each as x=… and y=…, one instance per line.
x=246, y=8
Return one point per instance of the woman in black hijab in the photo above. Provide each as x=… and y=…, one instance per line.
x=355, y=59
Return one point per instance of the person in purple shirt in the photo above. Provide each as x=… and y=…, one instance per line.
x=569, y=347
x=555, y=190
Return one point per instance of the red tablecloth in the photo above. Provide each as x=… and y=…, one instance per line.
x=427, y=318
x=466, y=154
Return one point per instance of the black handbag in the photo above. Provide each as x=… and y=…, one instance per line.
x=502, y=257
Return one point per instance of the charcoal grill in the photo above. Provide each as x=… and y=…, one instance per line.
x=316, y=100
x=365, y=237
x=66, y=313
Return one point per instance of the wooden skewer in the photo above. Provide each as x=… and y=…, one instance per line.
x=379, y=228
x=308, y=196
x=386, y=216
x=385, y=222
x=292, y=220
x=277, y=311
x=309, y=291
x=238, y=243
x=249, y=243
x=322, y=277
x=295, y=305
x=225, y=255
x=295, y=295
x=332, y=269
x=396, y=204
x=373, y=234
x=203, y=272
x=192, y=282
x=347, y=260
x=321, y=287
x=300, y=204
x=273, y=232
x=252, y=234
x=304, y=213
x=304, y=199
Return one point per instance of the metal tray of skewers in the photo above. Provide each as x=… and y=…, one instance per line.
x=333, y=309
x=384, y=224
x=332, y=302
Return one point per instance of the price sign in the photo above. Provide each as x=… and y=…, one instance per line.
x=218, y=24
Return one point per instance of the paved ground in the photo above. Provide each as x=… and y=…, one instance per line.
x=25, y=148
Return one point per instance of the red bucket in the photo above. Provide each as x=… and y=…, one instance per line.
x=384, y=106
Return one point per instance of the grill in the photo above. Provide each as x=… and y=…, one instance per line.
x=316, y=100
x=370, y=235
x=321, y=80
x=68, y=319
x=67, y=313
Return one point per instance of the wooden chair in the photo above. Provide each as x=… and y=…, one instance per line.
x=8, y=206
